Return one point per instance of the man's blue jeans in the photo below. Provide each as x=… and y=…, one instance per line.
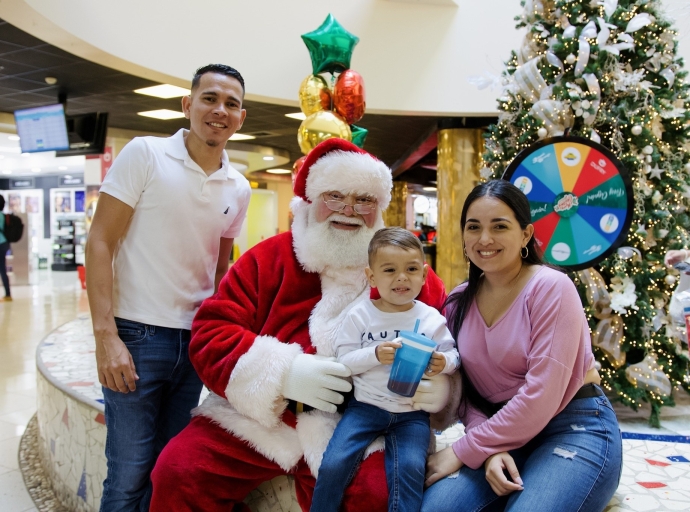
x=140, y=423
x=407, y=442
x=574, y=464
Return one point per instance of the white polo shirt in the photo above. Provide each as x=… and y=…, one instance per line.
x=165, y=263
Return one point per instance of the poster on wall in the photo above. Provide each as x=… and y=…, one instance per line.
x=31, y=204
x=14, y=203
x=79, y=201
x=63, y=202
x=91, y=201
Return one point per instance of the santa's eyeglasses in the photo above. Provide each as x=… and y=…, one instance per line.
x=362, y=205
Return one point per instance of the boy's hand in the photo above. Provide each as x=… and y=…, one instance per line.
x=436, y=364
x=385, y=352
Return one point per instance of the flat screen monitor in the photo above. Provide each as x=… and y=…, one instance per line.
x=86, y=134
x=42, y=128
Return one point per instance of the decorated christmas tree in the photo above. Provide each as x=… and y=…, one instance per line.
x=608, y=71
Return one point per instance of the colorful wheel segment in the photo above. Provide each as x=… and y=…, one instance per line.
x=580, y=198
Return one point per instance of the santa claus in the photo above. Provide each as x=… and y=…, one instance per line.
x=263, y=345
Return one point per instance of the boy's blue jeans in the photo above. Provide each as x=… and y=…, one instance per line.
x=140, y=423
x=573, y=464
x=407, y=442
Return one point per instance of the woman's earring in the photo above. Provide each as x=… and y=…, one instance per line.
x=526, y=252
x=464, y=250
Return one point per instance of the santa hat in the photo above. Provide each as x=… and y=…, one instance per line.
x=339, y=165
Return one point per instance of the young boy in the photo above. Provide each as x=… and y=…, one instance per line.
x=366, y=344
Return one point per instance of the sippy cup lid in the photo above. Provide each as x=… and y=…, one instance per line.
x=418, y=340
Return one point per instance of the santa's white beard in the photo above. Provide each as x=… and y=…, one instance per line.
x=319, y=245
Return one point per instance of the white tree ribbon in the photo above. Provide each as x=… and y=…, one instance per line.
x=582, y=57
x=647, y=374
x=593, y=86
x=639, y=21
x=556, y=62
x=589, y=31
x=555, y=115
x=529, y=81
x=610, y=7
x=669, y=75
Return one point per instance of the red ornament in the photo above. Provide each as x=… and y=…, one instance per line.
x=349, y=97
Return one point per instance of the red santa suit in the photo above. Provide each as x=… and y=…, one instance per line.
x=274, y=305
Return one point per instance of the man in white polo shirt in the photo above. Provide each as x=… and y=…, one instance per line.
x=159, y=244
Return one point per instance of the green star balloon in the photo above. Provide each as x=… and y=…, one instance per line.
x=359, y=135
x=330, y=46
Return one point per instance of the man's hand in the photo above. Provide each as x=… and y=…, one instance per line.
x=317, y=381
x=495, y=467
x=432, y=394
x=385, y=352
x=441, y=464
x=116, y=369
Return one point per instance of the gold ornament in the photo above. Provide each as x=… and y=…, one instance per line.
x=607, y=336
x=314, y=95
x=321, y=126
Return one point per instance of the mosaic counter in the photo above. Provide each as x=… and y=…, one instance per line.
x=656, y=472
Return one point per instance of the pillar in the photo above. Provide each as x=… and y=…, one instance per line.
x=459, y=160
x=395, y=214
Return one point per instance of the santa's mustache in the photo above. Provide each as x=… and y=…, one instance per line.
x=344, y=219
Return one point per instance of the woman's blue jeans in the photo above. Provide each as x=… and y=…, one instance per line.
x=407, y=441
x=141, y=423
x=574, y=464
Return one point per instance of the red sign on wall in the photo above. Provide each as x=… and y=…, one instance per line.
x=106, y=161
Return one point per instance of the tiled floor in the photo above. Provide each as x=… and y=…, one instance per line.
x=35, y=311
x=656, y=474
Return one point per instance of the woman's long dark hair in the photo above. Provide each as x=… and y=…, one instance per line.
x=458, y=304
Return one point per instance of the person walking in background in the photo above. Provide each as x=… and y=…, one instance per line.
x=540, y=433
x=4, y=247
x=159, y=243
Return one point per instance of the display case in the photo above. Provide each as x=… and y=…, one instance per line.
x=65, y=245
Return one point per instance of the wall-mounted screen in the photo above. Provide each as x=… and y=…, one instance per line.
x=42, y=128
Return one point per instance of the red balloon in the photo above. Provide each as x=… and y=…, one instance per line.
x=296, y=167
x=349, y=96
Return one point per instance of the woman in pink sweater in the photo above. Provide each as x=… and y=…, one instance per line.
x=540, y=434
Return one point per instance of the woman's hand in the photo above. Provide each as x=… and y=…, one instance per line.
x=441, y=464
x=495, y=467
x=673, y=257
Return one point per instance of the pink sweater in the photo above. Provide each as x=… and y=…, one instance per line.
x=536, y=355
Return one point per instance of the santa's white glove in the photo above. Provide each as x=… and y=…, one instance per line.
x=316, y=380
x=432, y=393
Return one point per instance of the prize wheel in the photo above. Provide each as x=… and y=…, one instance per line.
x=580, y=196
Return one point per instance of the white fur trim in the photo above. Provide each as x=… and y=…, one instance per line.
x=350, y=173
x=279, y=444
x=315, y=429
x=256, y=383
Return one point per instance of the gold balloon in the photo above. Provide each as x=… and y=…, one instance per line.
x=321, y=126
x=314, y=95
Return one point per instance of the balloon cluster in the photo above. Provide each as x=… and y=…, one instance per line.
x=333, y=109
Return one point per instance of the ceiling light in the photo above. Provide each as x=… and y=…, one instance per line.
x=50, y=80
x=268, y=158
x=242, y=136
x=7, y=172
x=300, y=116
x=67, y=176
x=279, y=171
x=26, y=154
x=35, y=169
x=62, y=168
x=163, y=113
x=429, y=189
x=13, y=137
x=163, y=91
x=421, y=204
